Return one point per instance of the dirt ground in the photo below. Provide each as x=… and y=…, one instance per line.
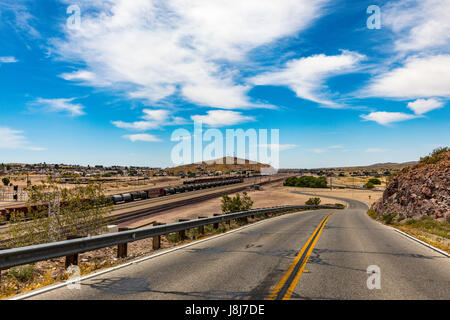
x=268, y=196
x=366, y=196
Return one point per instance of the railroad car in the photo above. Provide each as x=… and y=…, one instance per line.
x=127, y=197
x=155, y=192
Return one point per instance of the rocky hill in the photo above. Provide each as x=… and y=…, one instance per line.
x=225, y=164
x=423, y=189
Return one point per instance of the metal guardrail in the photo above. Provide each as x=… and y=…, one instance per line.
x=19, y=256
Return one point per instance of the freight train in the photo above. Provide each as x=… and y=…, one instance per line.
x=146, y=194
x=186, y=187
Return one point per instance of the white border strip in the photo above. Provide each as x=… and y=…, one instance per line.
x=95, y=274
x=422, y=242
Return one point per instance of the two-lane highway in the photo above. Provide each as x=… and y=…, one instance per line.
x=322, y=254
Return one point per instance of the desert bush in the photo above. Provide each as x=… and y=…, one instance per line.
x=5, y=181
x=22, y=273
x=435, y=156
x=389, y=218
x=306, y=182
x=372, y=213
x=313, y=201
x=375, y=181
x=369, y=185
x=236, y=203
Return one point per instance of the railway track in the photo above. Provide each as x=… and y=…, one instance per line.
x=133, y=216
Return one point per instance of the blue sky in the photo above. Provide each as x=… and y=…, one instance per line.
x=112, y=88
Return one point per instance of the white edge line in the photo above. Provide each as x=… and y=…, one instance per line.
x=422, y=242
x=95, y=274
x=411, y=237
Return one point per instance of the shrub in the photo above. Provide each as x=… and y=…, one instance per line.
x=375, y=181
x=313, y=201
x=372, y=213
x=369, y=185
x=22, y=273
x=306, y=182
x=5, y=181
x=236, y=203
x=435, y=156
x=389, y=218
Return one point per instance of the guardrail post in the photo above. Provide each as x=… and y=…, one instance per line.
x=72, y=259
x=157, y=239
x=182, y=233
x=216, y=225
x=122, y=248
x=201, y=229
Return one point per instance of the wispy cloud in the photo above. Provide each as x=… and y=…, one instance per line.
x=418, y=77
x=193, y=45
x=14, y=139
x=23, y=19
x=418, y=25
x=306, y=76
x=59, y=105
x=142, y=137
x=386, y=118
x=279, y=147
x=8, y=60
x=422, y=106
x=151, y=119
x=220, y=118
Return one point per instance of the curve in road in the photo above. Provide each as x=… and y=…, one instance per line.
x=344, y=246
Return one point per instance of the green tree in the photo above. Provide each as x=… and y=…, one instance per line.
x=236, y=203
x=375, y=181
x=6, y=181
x=313, y=201
x=369, y=185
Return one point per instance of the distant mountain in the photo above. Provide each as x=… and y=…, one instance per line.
x=377, y=166
x=225, y=164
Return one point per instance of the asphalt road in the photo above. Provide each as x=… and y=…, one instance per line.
x=322, y=254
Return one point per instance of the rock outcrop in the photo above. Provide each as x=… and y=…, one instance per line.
x=422, y=190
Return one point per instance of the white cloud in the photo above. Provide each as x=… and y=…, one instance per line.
x=14, y=139
x=60, y=105
x=306, y=76
x=418, y=24
x=370, y=150
x=422, y=106
x=220, y=118
x=8, y=60
x=137, y=125
x=318, y=150
x=279, y=147
x=142, y=137
x=22, y=19
x=154, y=49
x=385, y=118
x=419, y=77
x=152, y=119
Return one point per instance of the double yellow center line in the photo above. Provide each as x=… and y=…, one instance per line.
x=284, y=289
